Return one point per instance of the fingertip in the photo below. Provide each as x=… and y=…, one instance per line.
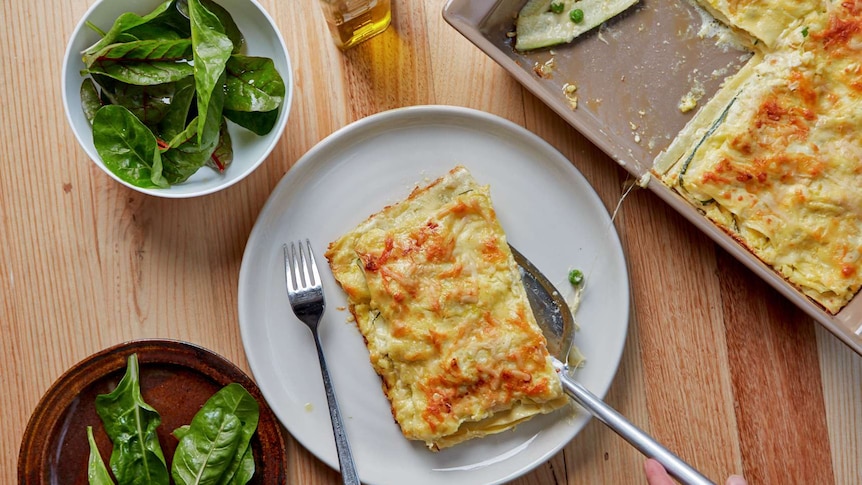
x=736, y=480
x=656, y=474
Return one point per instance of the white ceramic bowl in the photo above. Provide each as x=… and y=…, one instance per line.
x=250, y=150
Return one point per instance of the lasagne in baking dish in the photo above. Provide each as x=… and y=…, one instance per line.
x=437, y=296
x=775, y=159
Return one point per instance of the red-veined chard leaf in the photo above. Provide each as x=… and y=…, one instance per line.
x=259, y=123
x=149, y=103
x=97, y=472
x=253, y=84
x=183, y=160
x=212, y=49
x=230, y=27
x=124, y=22
x=169, y=20
x=182, y=156
x=222, y=156
x=148, y=55
x=131, y=424
x=177, y=117
x=142, y=73
x=90, y=99
x=144, y=62
x=149, y=31
x=128, y=148
x=173, y=50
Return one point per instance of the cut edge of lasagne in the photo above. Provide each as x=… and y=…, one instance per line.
x=438, y=298
x=774, y=158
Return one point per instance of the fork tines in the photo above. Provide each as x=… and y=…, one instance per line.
x=297, y=265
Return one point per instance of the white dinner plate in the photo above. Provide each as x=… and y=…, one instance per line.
x=549, y=212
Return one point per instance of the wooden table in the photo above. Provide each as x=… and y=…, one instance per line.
x=717, y=365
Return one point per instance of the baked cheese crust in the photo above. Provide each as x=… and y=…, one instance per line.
x=776, y=161
x=765, y=20
x=436, y=294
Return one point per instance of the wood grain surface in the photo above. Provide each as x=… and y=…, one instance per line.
x=717, y=365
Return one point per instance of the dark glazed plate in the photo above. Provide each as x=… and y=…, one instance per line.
x=176, y=379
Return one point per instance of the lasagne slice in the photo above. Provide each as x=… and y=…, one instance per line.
x=779, y=165
x=438, y=298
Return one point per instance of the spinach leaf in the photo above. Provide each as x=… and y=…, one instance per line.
x=90, y=100
x=238, y=401
x=259, y=123
x=97, y=473
x=131, y=424
x=253, y=84
x=206, y=450
x=246, y=469
x=231, y=401
x=128, y=148
x=124, y=23
x=212, y=49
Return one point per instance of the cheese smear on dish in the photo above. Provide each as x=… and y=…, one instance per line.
x=438, y=298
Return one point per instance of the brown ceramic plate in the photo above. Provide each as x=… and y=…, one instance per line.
x=176, y=379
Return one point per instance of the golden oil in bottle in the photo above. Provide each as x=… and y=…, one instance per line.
x=354, y=21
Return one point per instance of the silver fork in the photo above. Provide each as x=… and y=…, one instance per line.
x=306, y=298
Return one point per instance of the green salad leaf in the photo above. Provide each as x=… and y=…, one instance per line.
x=90, y=100
x=215, y=448
x=148, y=103
x=212, y=49
x=131, y=424
x=230, y=27
x=259, y=123
x=182, y=77
x=97, y=472
x=123, y=24
x=127, y=147
x=253, y=84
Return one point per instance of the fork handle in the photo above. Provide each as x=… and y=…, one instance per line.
x=349, y=475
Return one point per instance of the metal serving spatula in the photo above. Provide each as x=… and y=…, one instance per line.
x=555, y=318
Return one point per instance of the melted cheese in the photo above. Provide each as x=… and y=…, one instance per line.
x=765, y=20
x=780, y=168
x=436, y=293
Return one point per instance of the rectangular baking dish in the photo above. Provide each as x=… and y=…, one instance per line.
x=631, y=75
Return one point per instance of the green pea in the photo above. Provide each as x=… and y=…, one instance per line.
x=557, y=7
x=576, y=277
x=577, y=15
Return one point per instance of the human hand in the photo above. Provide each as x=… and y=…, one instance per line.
x=657, y=475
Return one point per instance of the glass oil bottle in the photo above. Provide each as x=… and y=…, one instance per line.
x=354, y=21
